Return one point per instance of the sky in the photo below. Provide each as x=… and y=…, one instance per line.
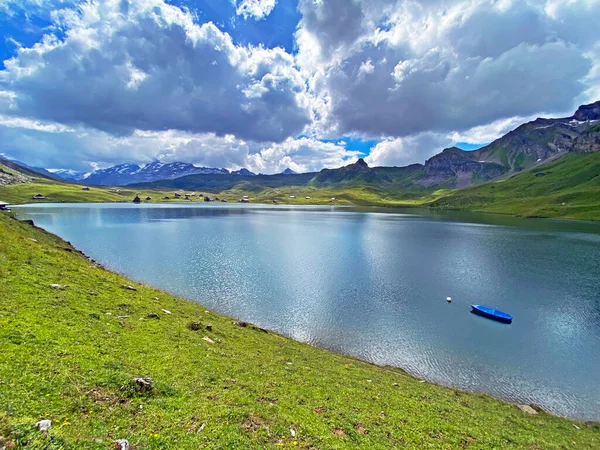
x=271, y=84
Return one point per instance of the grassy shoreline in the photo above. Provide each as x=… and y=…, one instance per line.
x=70, y=354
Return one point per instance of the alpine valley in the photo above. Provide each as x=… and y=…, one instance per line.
x=543, y=168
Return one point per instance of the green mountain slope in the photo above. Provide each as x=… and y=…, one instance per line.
x=220, y=183
x=530, y=144
x=23, y=170
x=568, y=187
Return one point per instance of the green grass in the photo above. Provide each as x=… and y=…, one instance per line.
x=566, y=188
x=59, y=192
x=70, y=355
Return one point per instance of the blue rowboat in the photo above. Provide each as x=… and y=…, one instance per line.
x=491, y=313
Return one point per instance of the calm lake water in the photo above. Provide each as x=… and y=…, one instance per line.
x=374, y=284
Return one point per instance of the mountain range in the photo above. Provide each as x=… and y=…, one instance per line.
x=530, y=145
x=125, y=174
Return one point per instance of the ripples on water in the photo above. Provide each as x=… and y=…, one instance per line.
x=374, y=285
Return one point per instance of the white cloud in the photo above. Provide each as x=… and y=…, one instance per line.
x=83, y=149
x=36, y=125
x=489, y=132
x=302, y=155
x=407, y=150
x=444, y=65
x=255, y=9
x=142, y=64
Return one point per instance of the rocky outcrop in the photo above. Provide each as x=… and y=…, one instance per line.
x=587, y=142
x=7, y=178
x=530, y=144
x=588, y=112
x=459, y=168
x=243, y=172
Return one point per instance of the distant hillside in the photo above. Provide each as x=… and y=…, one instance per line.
x=531, y=144
x=567, y=187
x=219, y=183
x=125, y=174
x=385, y=180
x=24, y=169
x=67, y=174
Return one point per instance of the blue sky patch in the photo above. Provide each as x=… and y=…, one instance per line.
x=275, y=30
x=469, y=146
x=363, y=146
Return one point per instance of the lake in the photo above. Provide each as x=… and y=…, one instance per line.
x=373, y=283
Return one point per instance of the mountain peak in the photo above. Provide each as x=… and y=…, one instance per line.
x=361, y=163
x=243, y=172
x=288, y=171
x=588, y=112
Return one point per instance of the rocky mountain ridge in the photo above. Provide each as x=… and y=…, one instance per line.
x=533, y=143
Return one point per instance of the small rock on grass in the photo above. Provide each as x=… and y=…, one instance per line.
x=58, y=286
x=143, y=384
x=207, y=339
x=209, y=327
x=129, y=288
x=241, y=324
x=152, y=315
x=527, y=409
x=195, y=326
x=122, y=444
x=166, y=311
x=43, y=425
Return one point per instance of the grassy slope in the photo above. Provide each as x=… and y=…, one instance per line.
x=61, y=192
x=567, y=188
x=69, y=356
x=57, y=192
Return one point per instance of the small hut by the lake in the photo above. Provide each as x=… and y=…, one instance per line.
x=85, y=188
x=4, y=206
x=137, y=199
x=38, y=197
